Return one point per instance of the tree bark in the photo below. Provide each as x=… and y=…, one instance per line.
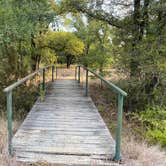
x=144, y=26
x=68, y=61
x=134, y=62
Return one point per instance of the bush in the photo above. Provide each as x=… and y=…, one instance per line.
x=154, y=121
x=141, y=93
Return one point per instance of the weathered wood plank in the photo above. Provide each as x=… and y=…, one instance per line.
x=61, y=159
x=65, y=129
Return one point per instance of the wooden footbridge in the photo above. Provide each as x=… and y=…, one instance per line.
x=64, y=127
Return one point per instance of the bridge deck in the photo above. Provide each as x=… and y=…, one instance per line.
x=65, y=128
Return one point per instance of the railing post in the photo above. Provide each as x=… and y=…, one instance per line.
x=43, y=84
x=53, y=73
x=86, y=83
x=119, y=127
x=101, y=84
x=56, y=72
x=9, y=116
x=78, y=74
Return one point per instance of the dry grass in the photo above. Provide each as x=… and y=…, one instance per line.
x=4, y=159
x=64, y=73
x=140, y=154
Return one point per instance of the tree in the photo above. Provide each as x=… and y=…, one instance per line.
x=100, y=51
x=20, y=22
x=97, y=38
x=141, y=52
x=63, y=43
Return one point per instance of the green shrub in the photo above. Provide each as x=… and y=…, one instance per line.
x=154, y=122
x=141, y=93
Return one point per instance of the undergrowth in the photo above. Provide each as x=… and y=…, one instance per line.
x=153, y=122
x=136, y=149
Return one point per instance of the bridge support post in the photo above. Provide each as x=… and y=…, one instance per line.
x=56, y=72
x=9, y=116
x=53, y=73
x=43, y=84
x=79, y=74
x=86, y=84
x=101, y=84
x=76, y=73
x=119, y=128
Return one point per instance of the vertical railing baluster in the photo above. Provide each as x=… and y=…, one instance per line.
x=9, y=116
x=78, y=74
x=56, y=72
x=101, y=84
x=86, y=84
x=43, y=84
x=53, y=73
x=119, y=127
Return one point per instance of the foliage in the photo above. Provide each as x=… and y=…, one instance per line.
x=154, y=121
x=47, y=56
x=19, y=25
x=20, y=22
x=62, y=43
x=23, y=99
x=138, y=94
x=100, y=50
x=142, y=55
x=97, y=38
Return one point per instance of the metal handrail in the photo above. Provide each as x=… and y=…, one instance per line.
x=121, y=95
x=19, y=82
x=8, y=90
x=110, y=84
x=28, y=77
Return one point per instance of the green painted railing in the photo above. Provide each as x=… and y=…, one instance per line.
x=121, y=95
x=8, y=92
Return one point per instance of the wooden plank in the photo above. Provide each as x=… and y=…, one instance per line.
x=65, y=126
x=43, y=148
x=74, y=160
x=63, y=132
x=68, y=140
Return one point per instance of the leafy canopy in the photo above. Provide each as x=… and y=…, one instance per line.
x=63, y=43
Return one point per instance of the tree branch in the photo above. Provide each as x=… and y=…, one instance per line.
x=100, y=15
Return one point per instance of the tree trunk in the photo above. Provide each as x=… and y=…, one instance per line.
x=134, y=63
x=144, y=26
x=33, y=57
x=68, y=61
x=86, y=54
